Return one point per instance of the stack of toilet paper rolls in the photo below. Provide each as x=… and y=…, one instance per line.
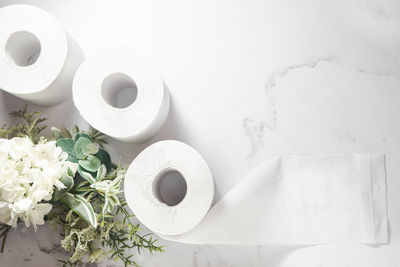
x=41, y=63
x=286, y=200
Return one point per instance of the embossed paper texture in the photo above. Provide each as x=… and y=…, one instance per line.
x=301, y=200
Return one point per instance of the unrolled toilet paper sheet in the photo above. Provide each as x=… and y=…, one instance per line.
x=301, y=200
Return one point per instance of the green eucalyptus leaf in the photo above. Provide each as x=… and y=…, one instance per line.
x=72, y=159
x=67, y=145
x=80, y=147
x=82, y=170
x=80, y=206
x=92, y=148
x=91, y=163
x=104, y=157
x=79, y=135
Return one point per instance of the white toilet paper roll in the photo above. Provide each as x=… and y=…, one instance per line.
x=291, y=200
x=99, y=87
x=37, y=58
x=146, y=174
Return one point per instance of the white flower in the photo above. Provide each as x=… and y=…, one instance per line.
x=22, y=206
x=5, y=215
x=28, y=175
x=36, y=215
x=11, y=192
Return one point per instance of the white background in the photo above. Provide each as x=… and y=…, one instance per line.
x=249, y=80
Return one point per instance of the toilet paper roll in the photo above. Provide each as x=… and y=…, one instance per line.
x=99, y=87
x=37, y=58
x=147, y=172
x=291, y=200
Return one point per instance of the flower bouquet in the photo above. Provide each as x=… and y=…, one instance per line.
x=69, y=181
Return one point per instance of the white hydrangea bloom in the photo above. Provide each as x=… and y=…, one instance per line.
x=28, y=175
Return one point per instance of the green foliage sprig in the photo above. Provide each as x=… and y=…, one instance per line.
x=94, y=220
x=29, y=126
x=103, y=226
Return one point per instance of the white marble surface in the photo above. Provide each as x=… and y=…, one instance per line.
x=249, y=80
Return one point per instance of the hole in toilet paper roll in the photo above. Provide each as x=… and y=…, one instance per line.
x=23, y=48
x=119, y=90
x=170, y=187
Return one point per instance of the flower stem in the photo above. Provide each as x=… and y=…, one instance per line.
x=4, y=235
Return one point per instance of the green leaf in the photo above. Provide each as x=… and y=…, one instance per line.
x=107, y=208
x=82, y=188
x=92, y=148
x=80, y=147
x=101, y=172
x=104, y=157
x=80, y=206
x=68, y=182
x=67, y=145
x=91, y=164
x=81, y=170
x=79, y=135
x=74, y=130
x=65, y=132
x=88, y=177
x=56, y=133
x=70, y=173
